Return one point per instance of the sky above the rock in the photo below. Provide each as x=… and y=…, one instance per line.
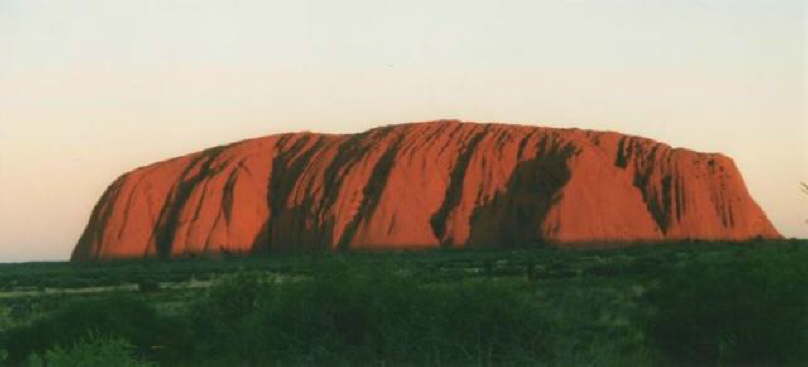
x=91, y=89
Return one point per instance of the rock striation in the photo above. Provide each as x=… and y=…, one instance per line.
x=422, y=185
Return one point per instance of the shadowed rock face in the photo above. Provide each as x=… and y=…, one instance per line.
x=422, y=185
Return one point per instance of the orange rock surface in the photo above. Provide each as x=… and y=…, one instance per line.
x=422, y=185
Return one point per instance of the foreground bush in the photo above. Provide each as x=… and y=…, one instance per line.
x=368, y=315
x=120, y=316
x=749, y=312
x=90, y=351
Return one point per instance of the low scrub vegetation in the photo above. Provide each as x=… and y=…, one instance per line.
x=346, y=315
x=685, y=305
x=119, y=315
x=752, y=311
x=91, y=351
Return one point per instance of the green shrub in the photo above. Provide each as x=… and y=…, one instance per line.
x=117, y=315
x=367, y=314
x=223, y=320
x=6, y=319
x=90, y=351
x=750, y=311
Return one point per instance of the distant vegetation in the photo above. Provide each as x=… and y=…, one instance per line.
x=685, y=304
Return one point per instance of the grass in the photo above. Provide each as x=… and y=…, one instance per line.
x=664, y=305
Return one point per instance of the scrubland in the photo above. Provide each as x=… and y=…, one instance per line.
x=678, y=304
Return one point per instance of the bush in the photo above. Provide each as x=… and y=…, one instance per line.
x=751, y=311
x=223, y=320
x=117, y=315
x=91, y=351
x=367, y=314
x=6, y=319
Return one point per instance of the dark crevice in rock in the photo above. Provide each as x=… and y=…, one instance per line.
x=170, y=214
x=623, y=153
x=372, y=192
x=454, y=190
x=287, y=167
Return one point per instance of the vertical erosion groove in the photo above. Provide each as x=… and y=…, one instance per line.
x=372, y=192
x=348, y=154
x=170, y=214
x=623, y=153
x=454, y=190
x=229, y=194
x=663, y=215
x=656, y=195
x=287, y=167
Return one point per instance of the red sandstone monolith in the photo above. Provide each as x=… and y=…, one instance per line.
x=422, y=185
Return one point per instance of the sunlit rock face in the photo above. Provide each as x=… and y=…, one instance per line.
x=422, y=185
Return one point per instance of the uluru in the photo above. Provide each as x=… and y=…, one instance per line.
x=422, y=185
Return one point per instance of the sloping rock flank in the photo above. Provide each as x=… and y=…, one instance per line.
x=422, y=185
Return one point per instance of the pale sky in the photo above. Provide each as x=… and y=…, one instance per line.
x=91, y=89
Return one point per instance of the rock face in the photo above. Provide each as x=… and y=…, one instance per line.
x=422, y=185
